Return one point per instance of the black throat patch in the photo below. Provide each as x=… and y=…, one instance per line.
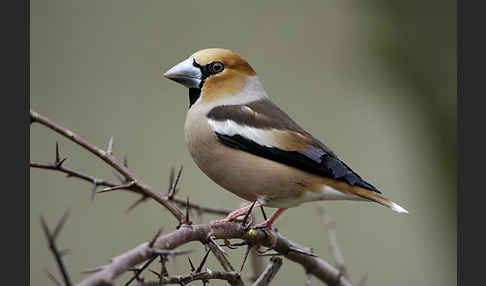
x=194, y=94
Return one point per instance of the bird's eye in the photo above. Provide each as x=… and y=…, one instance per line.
x=216, y=67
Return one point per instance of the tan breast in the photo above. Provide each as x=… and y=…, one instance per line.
x=246, y=175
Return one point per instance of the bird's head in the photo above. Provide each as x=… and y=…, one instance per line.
x=212, y=74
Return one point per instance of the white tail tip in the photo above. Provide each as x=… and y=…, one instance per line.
x=398, y=208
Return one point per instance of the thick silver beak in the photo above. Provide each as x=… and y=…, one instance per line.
x=185, y=73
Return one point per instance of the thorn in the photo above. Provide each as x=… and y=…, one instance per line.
x=190, y=263
x=246, y=256
x=58, y=158
x=93, y=270
x=211, y=240
x=163, y=271
x=203, y=261
x=58, y=161
x=171, y=177
x=109, y=150
x=45, y=229
x=118, y=187
x=302, y=251
x=151, y=244
x=93, y=191
x=60, y=224
x=248, y=213
x=59, y=164
x=139, y=271
x=263, y=213
x=136, y=203
x=125, y=161
x=188, y=207
x=156, y=273
x=174, y=182
x=53, y=278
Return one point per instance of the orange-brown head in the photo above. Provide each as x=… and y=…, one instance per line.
x=212, y=73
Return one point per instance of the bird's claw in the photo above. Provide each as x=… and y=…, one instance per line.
x=267, y=229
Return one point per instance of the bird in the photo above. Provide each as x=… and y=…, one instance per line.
x=249, y=146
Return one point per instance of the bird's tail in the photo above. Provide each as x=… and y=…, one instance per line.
x=373, y=196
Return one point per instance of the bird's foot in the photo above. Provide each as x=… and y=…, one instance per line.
x=267, y=228
x=236, y=214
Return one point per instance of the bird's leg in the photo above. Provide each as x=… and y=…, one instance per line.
x=232, y=216
x=266, y=226
x=268, y=223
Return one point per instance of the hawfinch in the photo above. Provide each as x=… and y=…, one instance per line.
x=245, y=143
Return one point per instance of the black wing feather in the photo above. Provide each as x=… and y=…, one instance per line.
x=314, y=160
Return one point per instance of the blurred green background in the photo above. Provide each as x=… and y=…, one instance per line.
x=375, y=80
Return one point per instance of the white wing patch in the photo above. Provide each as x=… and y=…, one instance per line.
x=231, y=128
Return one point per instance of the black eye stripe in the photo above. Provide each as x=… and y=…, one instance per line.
x=208, y=70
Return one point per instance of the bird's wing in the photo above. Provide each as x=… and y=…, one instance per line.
x=263, y=129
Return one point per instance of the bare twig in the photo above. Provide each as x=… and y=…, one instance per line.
x=318, y=267
x=173, y=183
x=333, y=244
x=188, y=208
x=220, y=254
x=232, y=278
x=248, y=214
x=269, y=272
x=136, y=203
x=109, y=150
x=245, y=256
x=72, y=173
x=201, y=208
x=263, y=213
x=137, y=273
x=125, y=186
x=105, y=183
x=139, y=185
x=203, y=261
x=51, y=239
x=53, y=278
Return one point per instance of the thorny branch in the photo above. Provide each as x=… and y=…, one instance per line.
x=161, y=246
x=138, y=185
x=269, y=272
x=51, y=239
x=314, y=265
x=333, y=244
x=233, y=278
